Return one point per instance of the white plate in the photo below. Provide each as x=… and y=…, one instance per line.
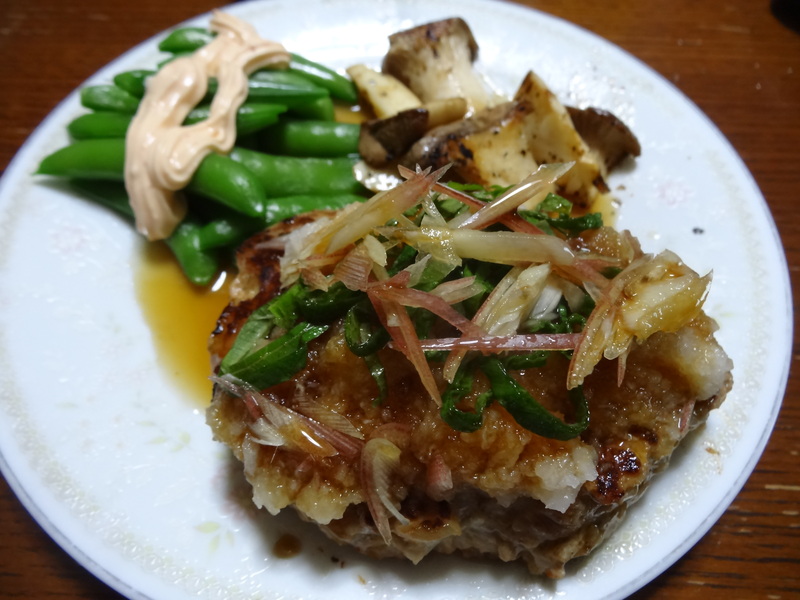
x=116, y=462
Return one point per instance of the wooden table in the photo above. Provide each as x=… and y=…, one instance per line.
x=733, y=58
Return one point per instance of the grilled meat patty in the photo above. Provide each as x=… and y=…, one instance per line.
x=498, y=491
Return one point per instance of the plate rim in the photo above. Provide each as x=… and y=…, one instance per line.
x=98, y=570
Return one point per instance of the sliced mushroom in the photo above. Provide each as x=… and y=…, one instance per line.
x=446, y=110
x=503, y=144
x=606, y=134
x=382, y=94
x=552, y=137
x=488, y=148
x=435, y=61
x=384, y=140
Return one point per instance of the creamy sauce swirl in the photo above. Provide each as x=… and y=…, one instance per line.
x=162, y=154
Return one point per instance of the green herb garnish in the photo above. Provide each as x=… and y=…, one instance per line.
x=553, y=214
x=279, y=360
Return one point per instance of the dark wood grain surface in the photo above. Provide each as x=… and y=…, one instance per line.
x=736, y=60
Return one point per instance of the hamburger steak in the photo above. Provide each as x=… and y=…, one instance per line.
x=381, y=463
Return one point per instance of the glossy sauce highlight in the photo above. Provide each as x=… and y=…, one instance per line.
x=180, y=316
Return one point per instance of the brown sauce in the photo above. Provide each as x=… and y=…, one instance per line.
x=346, y=113
x=180, y=317
x=287, y=546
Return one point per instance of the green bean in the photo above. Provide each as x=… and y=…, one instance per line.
x=280, y=209
x=311, y=138
x=102, y=159
x=197, y=263
x=94, y=163
x=103, y=124
x=189, y=39
x=108, y=97
x=266, y=86
x=319, y=109
x=100, y=124
x=133, y=82
x=227, y=231
x=219, y=232
x=222, y=179
x=280, y=87
x=277, y=84
x=217, y=177
x=110, y=194
x=200, y=266
x=296, y=175
x=339, y=86
x=185, y=39
x=249, y=118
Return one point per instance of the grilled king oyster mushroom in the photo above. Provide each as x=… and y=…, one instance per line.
x=493, y=141
x=435, y=61
x=606, y=134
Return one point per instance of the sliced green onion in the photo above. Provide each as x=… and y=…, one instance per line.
x=528, y=412
x=378, y=373
x=327, y=306
x=462, y=420
x=362, y=332
x=553, y=213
